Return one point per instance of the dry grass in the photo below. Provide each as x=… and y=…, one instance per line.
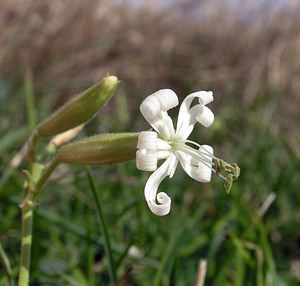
x=243, y=52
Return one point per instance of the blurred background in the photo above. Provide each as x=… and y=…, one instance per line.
x=246, y=52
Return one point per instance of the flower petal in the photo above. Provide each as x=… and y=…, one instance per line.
x=164, y=202
x=205, y=97
x=167, y=98
x=172, y=166
x=196, y=170
x=203, y=171
x=147, y=140
x=187, y=115
x=206, y=117
x=146, y=160
x=186, y=127
x=154, y=109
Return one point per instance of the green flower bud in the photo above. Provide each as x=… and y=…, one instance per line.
x=79, y=109
x=100, y=149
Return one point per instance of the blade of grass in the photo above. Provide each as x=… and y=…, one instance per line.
x=259, y=263
x=122, y=112
x=168, y=257
x=31, y=110
x=5, y=177
x=124, y=254
x=70, y=280
x=221, y=276
x=7, y=266
x=271, y=274
x=77, y=230
x=103, y=228
x=90, y=255
x=174, y=275
x=11, y=139
x=240, y=270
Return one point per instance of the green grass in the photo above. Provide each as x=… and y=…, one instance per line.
x=93, y=228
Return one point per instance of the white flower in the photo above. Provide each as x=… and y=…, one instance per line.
x=170, y=144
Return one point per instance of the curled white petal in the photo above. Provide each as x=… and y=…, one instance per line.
x=154, y=109
x=204, y=173
x=162, y=100
x=150, y=108
x=204, y=97
x=167, y=98
x=146, y=160
x=184, y=126
x=188, y=167
x=147, y=140
x=159, y=204
x=198, y=171
x=206, y=117
x=164, y=204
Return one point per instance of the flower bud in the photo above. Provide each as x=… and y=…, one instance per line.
x=63, y=138
x=79, y=109
x=100, y=149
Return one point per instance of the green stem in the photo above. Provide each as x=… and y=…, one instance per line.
x=46, y=174
x=32, y=143
x=7, y=267
x=29, y=96
x=27, y=207
x=103, y=229
x=27, y=220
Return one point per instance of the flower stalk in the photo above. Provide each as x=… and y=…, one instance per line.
x=99, y=149
x=34, y=183
x=66, y=123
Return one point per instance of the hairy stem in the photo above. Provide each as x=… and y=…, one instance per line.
x=34, y=184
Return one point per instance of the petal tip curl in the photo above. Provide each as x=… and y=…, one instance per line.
x=163, y=206
x=206, y=118
x=167, y=98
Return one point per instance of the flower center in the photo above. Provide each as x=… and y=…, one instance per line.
x=203, y=154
